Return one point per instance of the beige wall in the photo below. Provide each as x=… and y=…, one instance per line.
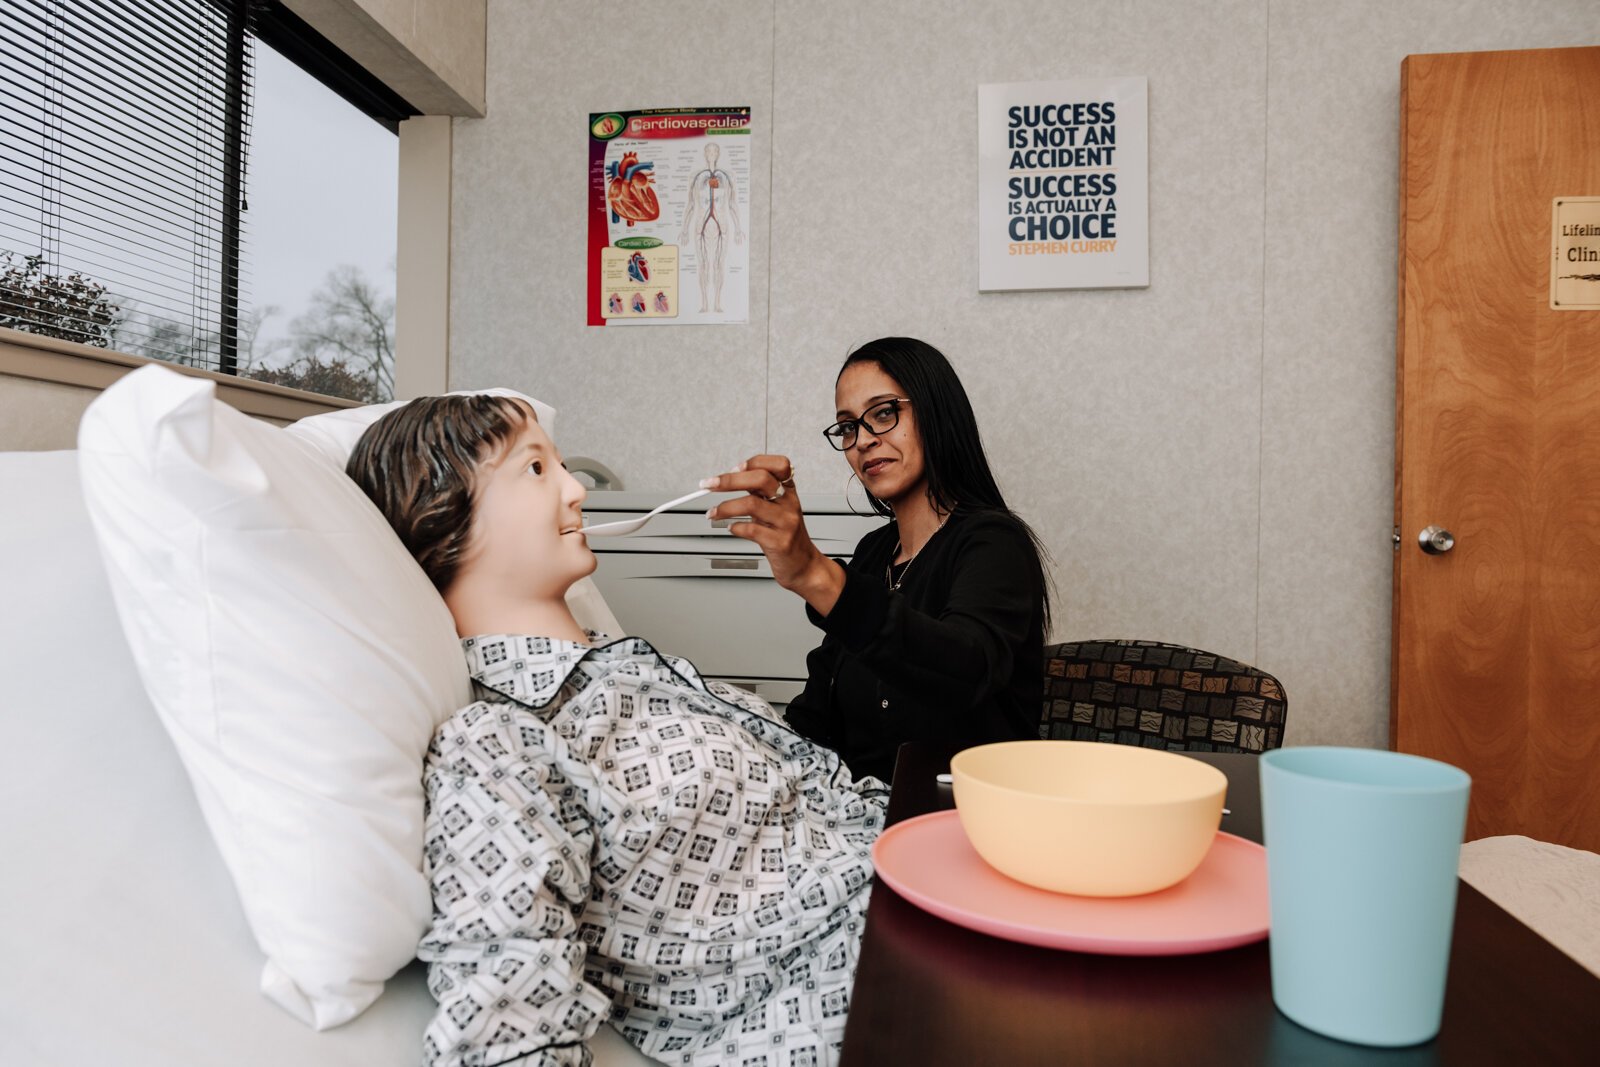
x=46, y=415
x=422, y=250
x=428, y=51
x=1210, y=459
x=40, y=416
x=45, y=385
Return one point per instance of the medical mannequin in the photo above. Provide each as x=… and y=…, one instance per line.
x=608, y=836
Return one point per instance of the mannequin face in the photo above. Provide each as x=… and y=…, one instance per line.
x=890, y=465
x=524, y=524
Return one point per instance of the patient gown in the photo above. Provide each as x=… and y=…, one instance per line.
x=611, y=838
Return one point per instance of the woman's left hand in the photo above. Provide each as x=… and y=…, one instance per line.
x=778, y=525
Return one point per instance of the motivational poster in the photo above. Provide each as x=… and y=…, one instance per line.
x=1064, y=184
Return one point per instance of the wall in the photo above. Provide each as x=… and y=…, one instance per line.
x=41, y=416
x=428, y=51
x=46, y=383
x=1210, y=459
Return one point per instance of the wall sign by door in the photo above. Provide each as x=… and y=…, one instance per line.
x=1575, y=254
x=1064, y=184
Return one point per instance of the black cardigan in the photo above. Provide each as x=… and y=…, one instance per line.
x=956, y=655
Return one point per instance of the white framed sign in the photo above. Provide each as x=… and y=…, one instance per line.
x=1064, y=184
x=1575, y=253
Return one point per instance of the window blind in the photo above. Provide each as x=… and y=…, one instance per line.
x=123, y=134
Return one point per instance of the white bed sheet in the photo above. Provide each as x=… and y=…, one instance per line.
x=1551, y=888
x=121, y=938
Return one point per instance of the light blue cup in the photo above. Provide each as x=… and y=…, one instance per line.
x=1362, y=851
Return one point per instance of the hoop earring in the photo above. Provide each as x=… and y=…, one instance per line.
x=869, y=513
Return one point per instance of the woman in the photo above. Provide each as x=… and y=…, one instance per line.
x=935, y=631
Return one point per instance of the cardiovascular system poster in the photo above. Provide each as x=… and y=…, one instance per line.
x=669, y=217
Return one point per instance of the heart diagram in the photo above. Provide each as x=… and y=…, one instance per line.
x=638, y=268
x=629, y=193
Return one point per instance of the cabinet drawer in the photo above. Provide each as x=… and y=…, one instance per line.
x=722, y=612
x=674, y=531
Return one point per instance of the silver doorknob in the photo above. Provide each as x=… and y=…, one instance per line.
x=1436, y=540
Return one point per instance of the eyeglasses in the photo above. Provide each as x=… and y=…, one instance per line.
x=879, y=419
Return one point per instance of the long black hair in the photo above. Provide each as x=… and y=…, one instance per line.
x=953, y=456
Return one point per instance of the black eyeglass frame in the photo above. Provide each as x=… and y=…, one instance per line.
x=837, y=440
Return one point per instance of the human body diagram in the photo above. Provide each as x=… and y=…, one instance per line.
x=670, y=203
x=711, y=214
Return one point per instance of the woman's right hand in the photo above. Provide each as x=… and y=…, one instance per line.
x=777, y=524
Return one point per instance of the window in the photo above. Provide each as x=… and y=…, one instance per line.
x=321, y=219
x=126, y=181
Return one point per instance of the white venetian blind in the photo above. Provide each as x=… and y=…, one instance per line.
x=123, y=133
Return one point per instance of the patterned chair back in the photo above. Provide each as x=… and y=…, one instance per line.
x=1157, y=695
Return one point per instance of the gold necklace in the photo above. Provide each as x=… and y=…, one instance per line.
x=888, y=571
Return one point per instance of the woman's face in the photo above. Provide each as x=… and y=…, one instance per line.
x=526, y=518
x=891, y=464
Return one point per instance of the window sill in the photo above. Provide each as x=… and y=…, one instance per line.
x=45, y=359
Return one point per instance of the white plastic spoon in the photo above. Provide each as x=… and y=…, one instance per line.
x=627, y=526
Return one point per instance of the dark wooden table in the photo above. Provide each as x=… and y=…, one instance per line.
x=929, y=992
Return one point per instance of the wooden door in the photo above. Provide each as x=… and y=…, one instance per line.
x=1497, y=641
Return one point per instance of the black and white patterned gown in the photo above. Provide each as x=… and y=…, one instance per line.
x=609, y=837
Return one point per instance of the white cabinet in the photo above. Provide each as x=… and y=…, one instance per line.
x=696, y=591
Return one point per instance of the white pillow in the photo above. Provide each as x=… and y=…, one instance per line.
x=335, y=434
x=300, y=660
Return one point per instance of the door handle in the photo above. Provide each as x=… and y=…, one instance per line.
x=1436, y=540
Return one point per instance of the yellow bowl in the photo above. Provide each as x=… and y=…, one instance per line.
x=1088, y=818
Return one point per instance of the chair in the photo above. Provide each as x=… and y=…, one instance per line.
x=1158, y=695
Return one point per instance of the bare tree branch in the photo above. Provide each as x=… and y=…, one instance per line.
x=350, y=321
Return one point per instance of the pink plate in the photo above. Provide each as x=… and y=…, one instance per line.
x=929, y=861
